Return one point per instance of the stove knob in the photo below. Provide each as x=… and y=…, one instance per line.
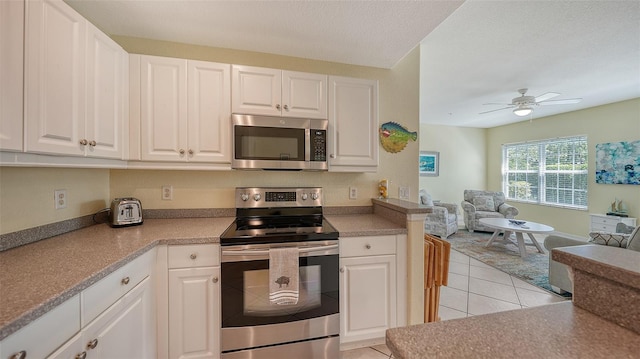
x=257, y=197
x=314, y=196
x=244, y=197
x=305, y=196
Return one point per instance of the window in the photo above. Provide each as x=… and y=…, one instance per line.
x=552, y=172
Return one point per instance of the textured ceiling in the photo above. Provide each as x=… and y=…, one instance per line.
x=472, y=52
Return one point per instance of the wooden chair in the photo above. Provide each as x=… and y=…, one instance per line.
x=436, y=274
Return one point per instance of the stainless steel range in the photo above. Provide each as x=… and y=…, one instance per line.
x=293, y=316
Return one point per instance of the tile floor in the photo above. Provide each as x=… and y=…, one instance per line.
x=474, y=288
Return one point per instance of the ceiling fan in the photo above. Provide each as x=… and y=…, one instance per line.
x=523, y=105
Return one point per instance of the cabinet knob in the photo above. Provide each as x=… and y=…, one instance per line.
x=125, y=280
x=190, y=152
x=92, y=344
x=193, y=256
x=19, y=355
x=342, y=270
x=332, y=156
x=82, y=355
x=181, y=152
x=278, y=107
x=215, y=280
x=93, y=143
x=367, y=246
x=286, y=107
x=84, y=142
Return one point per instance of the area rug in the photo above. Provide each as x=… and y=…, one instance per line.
x=534, y=269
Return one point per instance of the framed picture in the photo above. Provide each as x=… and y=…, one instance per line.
x=429, y=163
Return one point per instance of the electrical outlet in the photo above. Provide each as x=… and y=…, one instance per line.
x=403, y=192
x=167, y=193
x=60, y=198
x=353, y=192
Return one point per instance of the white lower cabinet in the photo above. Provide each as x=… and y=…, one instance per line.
x=370, y=297
x=122, y=327
x=194, y=301
x=124, y=330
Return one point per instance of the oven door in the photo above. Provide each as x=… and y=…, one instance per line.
x=249, y=320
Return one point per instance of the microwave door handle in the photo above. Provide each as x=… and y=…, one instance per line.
x=260, y=252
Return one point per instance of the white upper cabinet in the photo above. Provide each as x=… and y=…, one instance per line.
x=264, y=91
x=184, y=110
x=54, y=78
x=163, y=108
x=11, y=71
x=74, y=83
x=353, y=125
x=107, y=80
x=209, y=111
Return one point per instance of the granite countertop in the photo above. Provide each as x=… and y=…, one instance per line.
x=559, y=330
x=35, y=278
x=356, y=225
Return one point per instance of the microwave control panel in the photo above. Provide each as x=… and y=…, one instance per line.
x=318, y=145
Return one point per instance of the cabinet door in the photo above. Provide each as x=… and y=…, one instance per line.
x=209, y=111
x=256, y=90
x=11, y=71
x=353, y=124
x=54, y=78
x=163, y=108
x=72, y=349
x=304, y=95
x=125, y=330
x=367, y=297
x=106, y=64
x=194, y=313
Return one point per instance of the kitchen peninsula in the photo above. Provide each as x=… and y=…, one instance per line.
x=583, y=328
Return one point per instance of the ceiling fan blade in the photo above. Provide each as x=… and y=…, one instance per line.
x=500, y=109
x=546, y=96
x=496, y=103
x=560, y=102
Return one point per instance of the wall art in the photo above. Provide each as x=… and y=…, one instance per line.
x=618, y=163
x=394, y=137
x=429, y=163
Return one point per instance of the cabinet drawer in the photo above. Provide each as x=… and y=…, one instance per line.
x=42, y=336
x=367, y=246
x=194, y=255
x=604, y=220
x=106, y=291
x=600, y=227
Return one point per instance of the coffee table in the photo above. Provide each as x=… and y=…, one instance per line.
x=503, y=225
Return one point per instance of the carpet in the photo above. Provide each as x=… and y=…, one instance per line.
x=534, y=269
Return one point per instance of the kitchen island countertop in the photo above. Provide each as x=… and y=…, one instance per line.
x=357, y=225
x=560, y=330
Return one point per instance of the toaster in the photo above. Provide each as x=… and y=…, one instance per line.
x=125, y=212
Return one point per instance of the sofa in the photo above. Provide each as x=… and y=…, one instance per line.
x=443, y=221
x=626, y=238
x=484, y=204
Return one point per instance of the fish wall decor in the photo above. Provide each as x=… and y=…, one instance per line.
x=394, y=137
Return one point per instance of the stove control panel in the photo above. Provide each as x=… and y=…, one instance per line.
x=255, y=197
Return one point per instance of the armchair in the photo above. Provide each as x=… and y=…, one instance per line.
x=484, y=204
x=443, y=221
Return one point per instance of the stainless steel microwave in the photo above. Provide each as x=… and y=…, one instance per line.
x=279, y=143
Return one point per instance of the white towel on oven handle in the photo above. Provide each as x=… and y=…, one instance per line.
x=283, y=275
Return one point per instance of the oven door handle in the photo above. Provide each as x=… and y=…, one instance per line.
x=261, y=252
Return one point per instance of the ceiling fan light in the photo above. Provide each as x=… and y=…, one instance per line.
x=522, y=111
